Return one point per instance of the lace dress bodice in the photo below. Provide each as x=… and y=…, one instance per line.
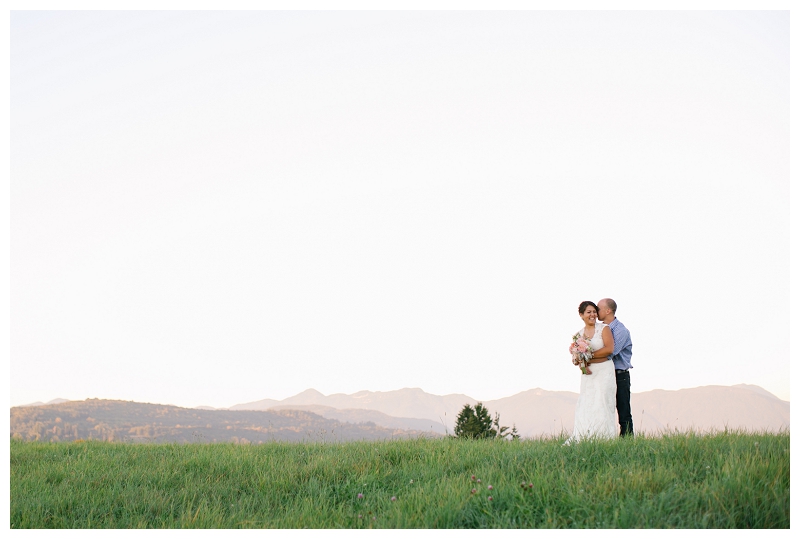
x=597, y=339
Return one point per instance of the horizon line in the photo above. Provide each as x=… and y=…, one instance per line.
x=35, y=403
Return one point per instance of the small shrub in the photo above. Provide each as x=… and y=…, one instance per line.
x=476, y=423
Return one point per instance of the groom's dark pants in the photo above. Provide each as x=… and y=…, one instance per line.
x=624, y=403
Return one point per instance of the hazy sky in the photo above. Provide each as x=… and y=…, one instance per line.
x=210, y=208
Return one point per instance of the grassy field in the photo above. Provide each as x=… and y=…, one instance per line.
x=726, y=480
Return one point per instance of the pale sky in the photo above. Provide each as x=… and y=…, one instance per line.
x=211, y=208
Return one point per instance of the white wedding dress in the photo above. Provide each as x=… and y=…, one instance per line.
x=596, y=411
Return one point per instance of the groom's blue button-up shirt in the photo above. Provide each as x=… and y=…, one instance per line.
x=623, y=347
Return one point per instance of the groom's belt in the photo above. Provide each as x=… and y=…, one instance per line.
x=621, y=370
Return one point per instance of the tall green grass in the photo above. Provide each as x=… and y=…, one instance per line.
x=725, y=480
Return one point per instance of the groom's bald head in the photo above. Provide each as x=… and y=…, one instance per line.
x=606, y=310
x=608, y=302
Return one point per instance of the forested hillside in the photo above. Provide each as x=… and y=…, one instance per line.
x=112, y=420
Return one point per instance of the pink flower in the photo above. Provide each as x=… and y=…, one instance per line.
x=530, y=485
x=360, y=495
x=582, y=347
x=473, y=478
x=490, y=498
x=490, y=487
x=478, y=480
x=474, y=490
x=394, y=499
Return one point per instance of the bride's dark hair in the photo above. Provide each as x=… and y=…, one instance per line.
x=584, y=304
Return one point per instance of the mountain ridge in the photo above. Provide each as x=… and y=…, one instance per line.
x=536, y=412
x=127, y=421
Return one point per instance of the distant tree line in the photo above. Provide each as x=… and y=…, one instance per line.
x=121, y=421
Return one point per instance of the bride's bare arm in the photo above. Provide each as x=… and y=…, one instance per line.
x=608, y=345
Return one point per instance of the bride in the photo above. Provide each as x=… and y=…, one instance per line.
x=597, y=402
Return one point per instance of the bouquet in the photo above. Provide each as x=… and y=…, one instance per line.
x=581, y=352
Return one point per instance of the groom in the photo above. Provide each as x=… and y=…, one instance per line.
x=623, y=350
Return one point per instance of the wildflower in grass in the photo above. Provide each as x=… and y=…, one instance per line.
x=360, y=516
x=490, y=487
x=394, y=499
x=490, y=498
x=530, y=485
x=522, y=485
x=477, y=480
x=472, y=477
x=360, y=496
x=412, y=481
x=474, y=490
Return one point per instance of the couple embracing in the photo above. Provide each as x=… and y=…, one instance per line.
x=606, y=384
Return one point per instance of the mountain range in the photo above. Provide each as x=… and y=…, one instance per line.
x=537, y=412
